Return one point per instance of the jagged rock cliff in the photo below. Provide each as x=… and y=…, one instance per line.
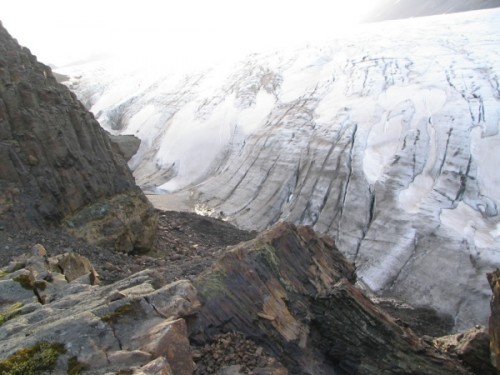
x=58, y=165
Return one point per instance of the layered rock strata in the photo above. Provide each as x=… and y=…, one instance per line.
x=382, y=139
x=294, y=292
x=132, y=325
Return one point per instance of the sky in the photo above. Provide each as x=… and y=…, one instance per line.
x=60, y=32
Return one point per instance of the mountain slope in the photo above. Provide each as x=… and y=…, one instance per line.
x=58, y=165
x=385, y=140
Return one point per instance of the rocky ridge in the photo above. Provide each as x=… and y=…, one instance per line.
x=58, y=165
x=282, y=303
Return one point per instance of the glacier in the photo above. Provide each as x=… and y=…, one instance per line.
x=386, y=139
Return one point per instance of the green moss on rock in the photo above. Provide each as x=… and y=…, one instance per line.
x=33, y=360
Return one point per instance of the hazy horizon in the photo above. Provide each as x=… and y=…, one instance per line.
x=60, y=32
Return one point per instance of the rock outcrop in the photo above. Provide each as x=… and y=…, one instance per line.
x=58, y=164
x=135, y=324
x=294, y=292
x=494, y=323
x=471, y=347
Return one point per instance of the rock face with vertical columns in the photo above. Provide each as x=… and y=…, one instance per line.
x=58, y=165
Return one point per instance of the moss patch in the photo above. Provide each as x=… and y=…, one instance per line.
x=10, y=312
x=75, y=367
x=266, y=255
x=31, y=361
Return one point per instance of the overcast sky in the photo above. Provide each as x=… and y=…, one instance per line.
x=62, y=31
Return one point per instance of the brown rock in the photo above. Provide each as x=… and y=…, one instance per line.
x=292, y=290
x=73, y=266
x=126, y=144
x=494, y=323
x=170, y=340
x=38, y=250
x=471, y=347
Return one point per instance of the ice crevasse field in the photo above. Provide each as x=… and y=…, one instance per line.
x=387, y=140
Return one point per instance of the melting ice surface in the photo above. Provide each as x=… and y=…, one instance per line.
x=387, y=140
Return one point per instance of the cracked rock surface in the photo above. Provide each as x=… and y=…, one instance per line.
x=116, y=327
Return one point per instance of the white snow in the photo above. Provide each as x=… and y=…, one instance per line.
x=486, y=153
x=464, y=221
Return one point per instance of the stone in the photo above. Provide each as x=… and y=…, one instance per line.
x=231, y=370
x=304, y=287
x=17, y=287
x=494, y=322
x=275, y=370
x=74, y=266
x=159, y=366
x=38, y=250
x=176, y=299
x=126, y=359
x=59, y=167
x=472, y=347
x=170, y=339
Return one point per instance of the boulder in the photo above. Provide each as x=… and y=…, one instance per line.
x=472, y=347
x=58, y=165
x=293, y=291
x=127, y=144
x=74, y=266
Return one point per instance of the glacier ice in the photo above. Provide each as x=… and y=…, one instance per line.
x=387, y=139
